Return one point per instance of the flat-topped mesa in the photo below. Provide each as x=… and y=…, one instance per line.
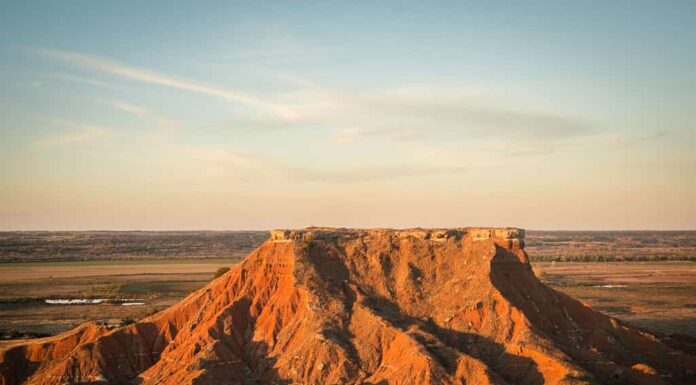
x=347, y=306
x=508, y=237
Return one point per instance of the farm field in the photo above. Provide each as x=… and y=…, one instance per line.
x=122, y=291
x=611, y=246
x=660, y=296
x=52, y=246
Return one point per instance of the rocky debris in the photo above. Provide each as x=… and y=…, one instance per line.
x=379, y=306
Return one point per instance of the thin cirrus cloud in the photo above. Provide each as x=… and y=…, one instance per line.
x=124, y=71
x=626, y=141
x=129, y=108
x=142, y=113
x=372, y=174
x=81, y=80
x=79, y=133
x=404, y=117
x=318, y=104
x=387, y=114
x=157, y=125
x=422, y=114
x=233, y=165
x=353, y=134
x=394, y=115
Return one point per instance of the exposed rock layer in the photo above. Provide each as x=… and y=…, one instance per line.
x=340, y=306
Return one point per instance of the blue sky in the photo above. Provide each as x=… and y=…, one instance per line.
x=230, y=115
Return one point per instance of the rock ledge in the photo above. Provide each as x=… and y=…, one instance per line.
x=510, y=235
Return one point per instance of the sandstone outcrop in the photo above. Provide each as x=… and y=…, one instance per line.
x=342, y=306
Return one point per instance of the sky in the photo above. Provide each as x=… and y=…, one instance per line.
x=172, y=115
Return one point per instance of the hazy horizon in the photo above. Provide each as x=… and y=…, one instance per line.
x=573, y=115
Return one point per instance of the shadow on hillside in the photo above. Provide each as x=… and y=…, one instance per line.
x=511, y=367
x=256, y=367
x=444, y=345
x=232, y=359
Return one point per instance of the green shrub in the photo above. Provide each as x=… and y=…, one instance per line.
x=221, y=271
x=127, y=321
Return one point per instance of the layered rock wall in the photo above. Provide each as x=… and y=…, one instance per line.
x=509, y=235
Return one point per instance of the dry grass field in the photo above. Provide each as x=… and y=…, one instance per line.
x=147, y=285
x=656, y=295
x=52, y=246
x=611, y=246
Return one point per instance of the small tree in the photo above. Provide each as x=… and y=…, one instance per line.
x=221, y=271
x=127, y=321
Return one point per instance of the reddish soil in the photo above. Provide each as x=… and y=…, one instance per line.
x=336, y=306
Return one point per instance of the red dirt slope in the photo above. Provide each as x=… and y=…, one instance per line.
x=338, y=306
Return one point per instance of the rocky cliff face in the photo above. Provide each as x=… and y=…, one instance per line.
x=340, y=306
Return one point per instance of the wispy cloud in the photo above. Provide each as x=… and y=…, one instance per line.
x=402, y=114
x=81, y=80
x=158, y=126
x=372, y=173
x=625, y=141
x=125, y=71
x=395, y=116
x=79, y=133
x=129, y=108
x=227, y=164
x=430, y=114
x=353, y=134
x=221, y=163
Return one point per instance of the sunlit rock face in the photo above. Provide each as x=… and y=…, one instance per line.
x=358, y=306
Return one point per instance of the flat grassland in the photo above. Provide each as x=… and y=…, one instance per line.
x=660, y=296
x=611, y=246
x=124, y=276
x=52, y=246
x=121, y=291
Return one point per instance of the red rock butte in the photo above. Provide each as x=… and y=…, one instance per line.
x=353, y=306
